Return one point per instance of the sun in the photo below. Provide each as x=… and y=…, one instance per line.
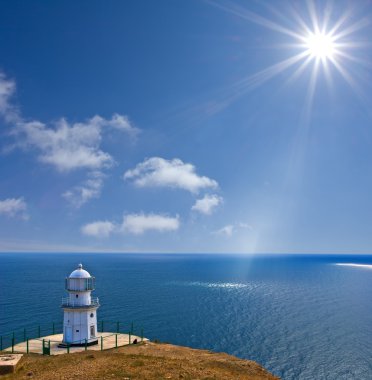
x=320, y=46
x=323, y=41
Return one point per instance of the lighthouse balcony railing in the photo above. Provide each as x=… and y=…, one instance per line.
x=67, y=302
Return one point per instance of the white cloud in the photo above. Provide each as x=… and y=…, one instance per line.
x=225, y=231
x=122, y=123
x=98, y=229
x=245, y=225
x=158, y=172
x=63, y=145
x=14, y=207
x=90, y=189
x=7, y=90
x=207, y=204
x=136, y=224
x=230, y=229
x=139, y=223
x=72, y=146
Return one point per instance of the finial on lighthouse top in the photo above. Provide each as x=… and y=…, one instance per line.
x=80, y=272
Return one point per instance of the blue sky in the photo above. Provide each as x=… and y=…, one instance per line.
x=186, y=126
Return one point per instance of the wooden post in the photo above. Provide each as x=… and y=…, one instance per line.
x=13, y=345
x=130, y=337
x=43, y=346
x=101, y=343
x=68, y=348
x=116, y=340
x=27, y=348
x=86, y=344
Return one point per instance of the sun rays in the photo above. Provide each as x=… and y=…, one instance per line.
x=319, y=39
x=321, y=44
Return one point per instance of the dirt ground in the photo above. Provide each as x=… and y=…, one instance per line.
x=141, y=361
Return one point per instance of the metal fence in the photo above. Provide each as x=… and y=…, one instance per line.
x=24, y=334
x=39, y=339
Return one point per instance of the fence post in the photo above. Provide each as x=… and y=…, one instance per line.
x=43, y=343
x=117, y=326
x=130, y=337
x=39, y=331
x=54, y=330
x=27, y=346
x=68, y=348
x=101, y=343
x=24, y=334
x=86, y=344
x=116, y=340
x=141, y=335
x=13, y=345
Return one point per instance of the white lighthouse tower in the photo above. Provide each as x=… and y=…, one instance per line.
x=80, y=309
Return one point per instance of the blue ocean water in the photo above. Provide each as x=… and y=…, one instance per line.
x=301, y=317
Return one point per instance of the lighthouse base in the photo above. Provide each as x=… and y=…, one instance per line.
x=106, y=340
x=90, y=343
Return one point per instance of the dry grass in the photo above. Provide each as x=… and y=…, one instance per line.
x=142, y=361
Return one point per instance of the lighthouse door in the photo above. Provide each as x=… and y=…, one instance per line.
x=68, y=334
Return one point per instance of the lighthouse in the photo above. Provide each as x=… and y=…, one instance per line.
x=80, y=309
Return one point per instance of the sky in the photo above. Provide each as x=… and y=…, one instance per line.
x=186, y=126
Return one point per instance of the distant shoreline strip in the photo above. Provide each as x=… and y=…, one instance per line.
x=365, y=266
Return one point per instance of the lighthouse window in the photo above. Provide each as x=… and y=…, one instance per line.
x=91, y=315
x=77, y=330
x=77, y=295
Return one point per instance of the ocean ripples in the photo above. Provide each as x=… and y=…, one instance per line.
x=302, y=318
x=215, y=285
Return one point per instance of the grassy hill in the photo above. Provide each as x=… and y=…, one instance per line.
x=142, y=361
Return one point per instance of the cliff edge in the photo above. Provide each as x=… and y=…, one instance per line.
x=143, y=361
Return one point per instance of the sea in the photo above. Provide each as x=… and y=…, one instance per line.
x=299, y=316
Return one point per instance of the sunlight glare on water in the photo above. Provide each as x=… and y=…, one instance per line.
x=301, y=317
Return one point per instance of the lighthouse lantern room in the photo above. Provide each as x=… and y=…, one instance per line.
x=80, y=309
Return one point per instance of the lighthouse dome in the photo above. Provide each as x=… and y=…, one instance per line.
x=80, y=273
